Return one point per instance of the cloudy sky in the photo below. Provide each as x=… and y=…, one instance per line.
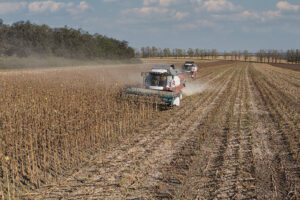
x=220, y=24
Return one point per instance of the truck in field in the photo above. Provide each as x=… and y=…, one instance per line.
x=163, y=83
x=190, y=68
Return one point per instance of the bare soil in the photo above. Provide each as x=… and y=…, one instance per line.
x=238, y=139
x=295, y=67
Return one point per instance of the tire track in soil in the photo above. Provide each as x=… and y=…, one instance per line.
x=246, y=181
x=277, y=169
x=237, y=174
x=229, y=173
x=180, y=160
x=160, y=150
x=286, y=75
x=287, y=100
x=194, y=180
x=116, y=165
x=285, y=114
x=226, y=174
x=227, y=188
x=236, y=149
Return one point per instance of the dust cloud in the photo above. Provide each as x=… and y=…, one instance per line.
x=194, y=88
x=47, y=62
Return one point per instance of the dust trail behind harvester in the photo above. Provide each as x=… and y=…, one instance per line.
x=194, y=88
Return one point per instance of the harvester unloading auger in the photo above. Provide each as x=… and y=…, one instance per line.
x=162, y=85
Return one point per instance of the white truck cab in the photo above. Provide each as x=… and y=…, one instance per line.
x=190, y=67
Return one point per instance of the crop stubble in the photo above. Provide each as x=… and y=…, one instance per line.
x=237, y=140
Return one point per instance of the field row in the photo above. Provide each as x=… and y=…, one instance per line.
x=51, y=121
x=68, y=136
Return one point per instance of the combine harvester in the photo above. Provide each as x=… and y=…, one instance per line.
x=190, y=68
x=162, y=85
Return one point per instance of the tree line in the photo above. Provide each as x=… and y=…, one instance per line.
x=25, y=38
x=268, y=56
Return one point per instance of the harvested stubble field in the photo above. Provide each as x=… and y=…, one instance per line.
x=66, y=135
x=295, y=67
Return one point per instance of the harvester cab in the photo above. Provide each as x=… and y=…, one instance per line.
x=190, y=68
x=164, y=78
x=163, y=83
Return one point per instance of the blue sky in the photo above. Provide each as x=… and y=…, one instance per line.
x=221, y=24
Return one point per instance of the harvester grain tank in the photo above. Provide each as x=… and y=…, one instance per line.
x=163, y=83
x=190, y=68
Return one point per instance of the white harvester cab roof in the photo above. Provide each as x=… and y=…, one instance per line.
x=159, y=71
x=169, y=69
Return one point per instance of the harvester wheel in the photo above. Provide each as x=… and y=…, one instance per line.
x=177, y=101
x=180, y=96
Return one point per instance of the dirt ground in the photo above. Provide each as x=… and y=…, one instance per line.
x=237, y=139
x=295, y=67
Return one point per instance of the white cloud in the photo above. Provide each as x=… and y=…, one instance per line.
x=146, y=10
x=45, y=6
x=284, y=5
x=148, y=2
x=196, y=1
x=181, y=15
x=53, y=6
x=108, y=1
x=10, y=7
x=219, y=5
x=270, y=14
x=83, y=6
x=249, y=15
x=238, y=17
x=195, y=25
x=164, y=3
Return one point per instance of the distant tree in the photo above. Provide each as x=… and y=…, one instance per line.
x=143, y=51
x=206, y=53
x=246, y=55
x=239, y=54
x=280, y=56
x=148, y=51
x=293, y=56
x=197, y=52
x=190, y=52
x=209, y=54
x=24, y=38
x=260, y=55
x=202, y=54
x=154, y=52
x=137, y=53
x=234, y=55
x=160, y=52
x=268, y=55
x=215, y=53
x=184, y=53
x=166, y=52
x=275, y=56
x=225, y=54
x=179, y=52
x=174, y=53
